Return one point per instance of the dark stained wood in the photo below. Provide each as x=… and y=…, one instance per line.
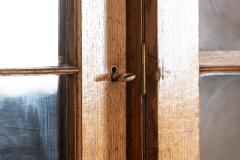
x=152, y=80
x=73, y=108
x=71, y=31
x=39, y=71
x=62, y=33
x=63, y=115
x=63, y=85
x=134, y=106
x=73, y=50
x=78, y=78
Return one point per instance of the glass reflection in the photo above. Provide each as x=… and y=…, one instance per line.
x=28, y=33
x=219, y=23
x=29, y=118
x=220, y=117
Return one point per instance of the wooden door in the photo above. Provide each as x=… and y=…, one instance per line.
x=125, y=122
x=172, y=117
x=103, y=102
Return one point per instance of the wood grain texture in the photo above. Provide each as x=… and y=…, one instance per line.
x=103, y=103
x=133, y=63
x=219, y=58
x=152, y=75
x=178, y=95
x=71, y=31
x=219, y=25
x=221, y=69
x=39, y=71
x=73, y=85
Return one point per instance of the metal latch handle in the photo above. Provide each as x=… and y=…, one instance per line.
x=118, y=77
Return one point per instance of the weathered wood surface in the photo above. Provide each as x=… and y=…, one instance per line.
x=103, y=103
x=178, y=95
x=219, y=58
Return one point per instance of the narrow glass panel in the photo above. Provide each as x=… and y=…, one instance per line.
x=219, y=25
x=30, y=123
x=220, y=117
x=29, y=33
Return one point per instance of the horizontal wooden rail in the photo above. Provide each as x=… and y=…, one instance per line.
x=220, y=69
x=219, y=58
x=39, y=71
x=219, y=61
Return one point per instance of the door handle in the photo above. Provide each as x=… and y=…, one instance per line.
x=118, y=77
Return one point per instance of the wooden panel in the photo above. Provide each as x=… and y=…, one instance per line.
x=134, y=65
x=103, y=103
x=178, y=103
x=219, y=58
x=152, y=80
x=219, y=24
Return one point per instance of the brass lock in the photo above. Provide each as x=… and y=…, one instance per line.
x=118, y=77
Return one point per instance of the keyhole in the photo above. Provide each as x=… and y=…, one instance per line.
x=114, y=69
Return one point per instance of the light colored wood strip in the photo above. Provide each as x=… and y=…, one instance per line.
x=219, y=58
x=38, y=71
x=221, y=69
x=103, y=103
x=178, y=95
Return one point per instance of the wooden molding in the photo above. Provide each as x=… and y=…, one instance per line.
x=220, y=69
x=219, y=61
x=219, y=58
x=38, y=71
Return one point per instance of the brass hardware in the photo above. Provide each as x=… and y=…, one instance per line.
x=144, y=69
x=117, y=77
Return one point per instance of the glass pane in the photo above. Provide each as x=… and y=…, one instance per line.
x=29, y=33
x=220, y=117
x=30, y=118
x=219, y=24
